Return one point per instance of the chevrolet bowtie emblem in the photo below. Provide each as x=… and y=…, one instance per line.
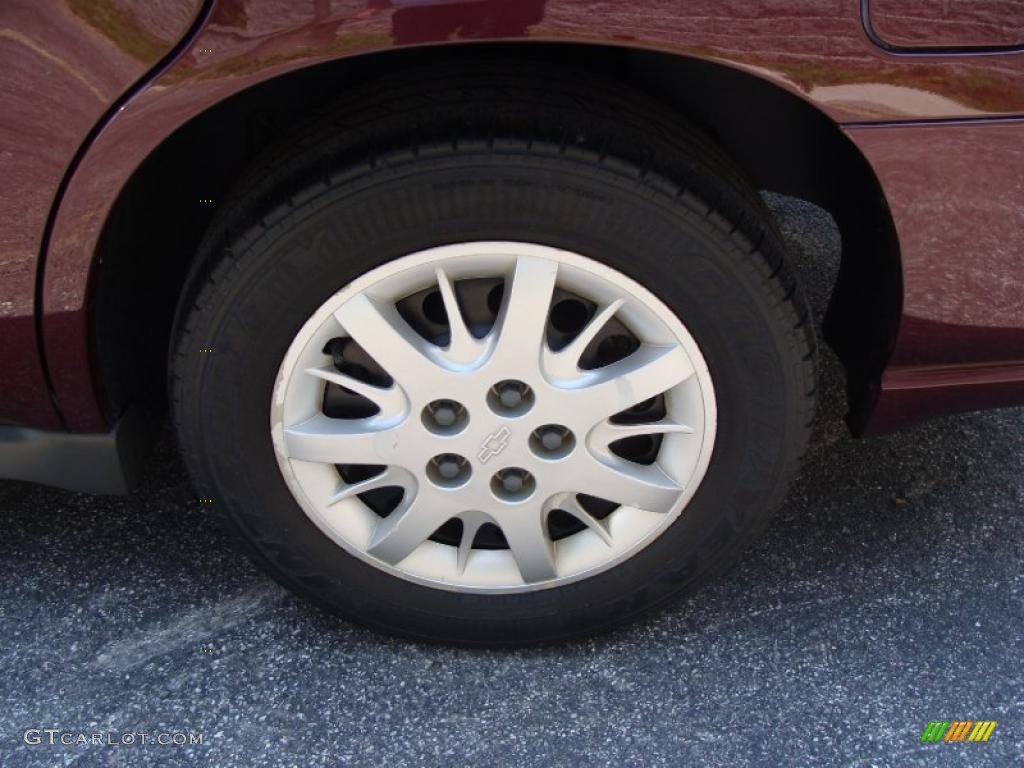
x=493, y=445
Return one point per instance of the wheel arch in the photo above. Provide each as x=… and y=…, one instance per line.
x=784, y=144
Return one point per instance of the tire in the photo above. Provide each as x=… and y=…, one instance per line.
x=575, y=167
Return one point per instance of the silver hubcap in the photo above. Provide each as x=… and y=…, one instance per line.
x=516, y=446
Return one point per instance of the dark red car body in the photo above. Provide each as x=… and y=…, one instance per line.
x=123, y=122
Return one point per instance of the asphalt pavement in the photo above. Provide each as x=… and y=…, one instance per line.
x=886, y=594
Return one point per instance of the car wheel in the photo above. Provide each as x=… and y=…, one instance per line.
x=493, y=364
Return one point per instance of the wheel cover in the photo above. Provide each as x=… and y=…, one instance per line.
x=448, y=433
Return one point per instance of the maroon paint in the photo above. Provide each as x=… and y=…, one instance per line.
x=918, y=23
x=913, y=394
x=61, y=66
x=816, y=49
x=956, y=193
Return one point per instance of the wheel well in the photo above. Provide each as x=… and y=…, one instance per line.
x=783, y=143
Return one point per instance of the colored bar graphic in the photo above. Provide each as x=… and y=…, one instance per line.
x=983, y=730
x=958, y=730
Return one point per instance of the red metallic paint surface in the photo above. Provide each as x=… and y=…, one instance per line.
x=956, y=193
x=61, y=66
x=814, y=48
x=952, y=23
x=913, y=394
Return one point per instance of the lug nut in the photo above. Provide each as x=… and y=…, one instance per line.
x=445, y=417
x=448, y=469
x=510, y=397
x=445, y=413
x=552, y=438
x=552, y=442
x=512, y=482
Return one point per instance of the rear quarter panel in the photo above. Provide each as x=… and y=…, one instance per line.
x=62, y=65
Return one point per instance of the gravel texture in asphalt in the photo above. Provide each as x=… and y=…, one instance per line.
x=885, y=594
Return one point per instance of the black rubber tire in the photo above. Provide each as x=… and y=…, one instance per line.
x=544, y=157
